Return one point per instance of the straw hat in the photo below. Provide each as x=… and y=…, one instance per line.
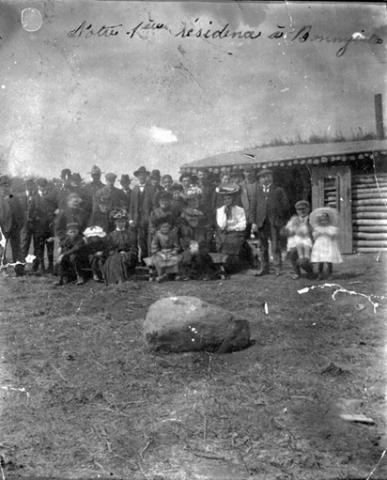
x=315, y=216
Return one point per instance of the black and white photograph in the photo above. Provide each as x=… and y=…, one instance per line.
x=193, y=240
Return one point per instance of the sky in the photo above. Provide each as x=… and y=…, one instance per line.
x=161, y=100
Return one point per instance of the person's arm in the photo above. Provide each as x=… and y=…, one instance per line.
x=240, y=220
x=79, y=244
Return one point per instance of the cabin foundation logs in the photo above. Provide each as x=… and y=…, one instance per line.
x=369, y=212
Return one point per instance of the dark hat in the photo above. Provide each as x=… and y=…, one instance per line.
x=75, y=177
x=264, y=171
x=301, y=204
x=141, y=170
x=155, y=174
x=111, y=177
x=119, y=214
x=229, y=189
x=65, y=174
x=72, y=225
x=5, y=180
x=125, y=178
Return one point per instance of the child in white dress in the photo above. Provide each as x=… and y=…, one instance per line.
x=325, y=249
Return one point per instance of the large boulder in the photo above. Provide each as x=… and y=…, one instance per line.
x=182, y=324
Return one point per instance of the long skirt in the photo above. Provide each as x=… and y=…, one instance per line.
x=230, y=243
x=119, y=267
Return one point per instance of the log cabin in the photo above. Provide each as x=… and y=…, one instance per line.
x=350, y=176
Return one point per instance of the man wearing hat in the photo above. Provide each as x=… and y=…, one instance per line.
x=141, y=205
x=249, y=188
x=11, y=219
x=270, y=213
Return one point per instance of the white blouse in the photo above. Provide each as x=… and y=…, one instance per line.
x=237, y=222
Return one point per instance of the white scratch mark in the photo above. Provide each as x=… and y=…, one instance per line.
x=340, y=289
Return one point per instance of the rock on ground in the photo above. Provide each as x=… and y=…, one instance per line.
x=181, y=324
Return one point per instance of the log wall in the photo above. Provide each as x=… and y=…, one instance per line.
x=369, y=212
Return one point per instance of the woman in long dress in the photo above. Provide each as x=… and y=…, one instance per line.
x=231, y=223
x=123, y=251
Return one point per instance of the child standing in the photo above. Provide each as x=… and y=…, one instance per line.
x=325, y=249
x=72, y=256
x=165, y=248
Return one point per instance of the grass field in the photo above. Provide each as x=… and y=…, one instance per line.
x=81, y=397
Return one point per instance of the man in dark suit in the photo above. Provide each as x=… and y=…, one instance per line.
x=126, y=191
x=270, y=214
x=141, y=205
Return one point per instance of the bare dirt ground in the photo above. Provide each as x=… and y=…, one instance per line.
x=82, y=398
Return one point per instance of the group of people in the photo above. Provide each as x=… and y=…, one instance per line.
x=174, y=227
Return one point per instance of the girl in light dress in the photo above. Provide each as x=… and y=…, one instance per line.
x=325, y=251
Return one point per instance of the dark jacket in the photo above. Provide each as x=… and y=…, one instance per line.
x=273, y=205
x=141, y=205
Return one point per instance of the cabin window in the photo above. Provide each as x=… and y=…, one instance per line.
x=331, y=192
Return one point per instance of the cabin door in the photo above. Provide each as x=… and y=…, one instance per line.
x=331, y=187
